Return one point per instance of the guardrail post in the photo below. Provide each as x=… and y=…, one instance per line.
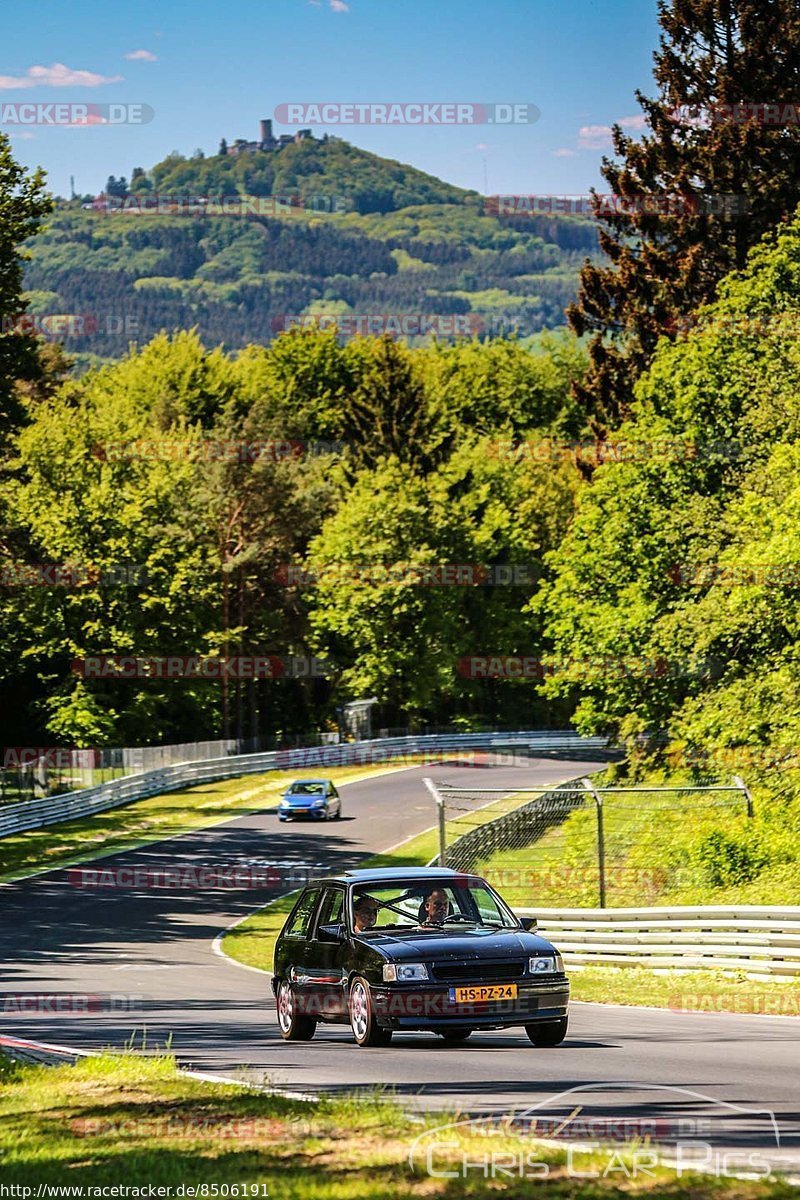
x=434, y=791
x=601, y=847
x=740, y=783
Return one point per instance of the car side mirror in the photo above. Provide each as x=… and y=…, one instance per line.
x=528, y=923
x=331, y=933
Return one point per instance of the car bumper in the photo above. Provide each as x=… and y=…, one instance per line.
x=432, y=1008
x=312, y=814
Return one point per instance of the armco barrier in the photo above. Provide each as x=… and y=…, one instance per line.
x=51, y=810
x=758, y=940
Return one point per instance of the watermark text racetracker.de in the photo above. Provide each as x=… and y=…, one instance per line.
x=57, y=326
x=200, y=667
x=602, y=206
x=72, y=575
x=192, y=876
x=73, y=1004
x=212, y=205
x=376, y=324
x=406, y=113
x=434, y=575
x=166, y=449
x=528, y=666
x=66, y=113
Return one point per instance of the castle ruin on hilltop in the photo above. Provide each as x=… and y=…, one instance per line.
x=267, y=140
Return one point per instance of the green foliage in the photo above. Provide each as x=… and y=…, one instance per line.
x=702, y=185
x=727, y=862
x=171, y=461
x=23, y=205
x=688, y=555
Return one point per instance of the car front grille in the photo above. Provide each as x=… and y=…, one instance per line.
x=479, y=971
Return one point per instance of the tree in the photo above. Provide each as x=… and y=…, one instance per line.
x=23, y=205
x=223, y=147
x=714, y=172
x=678, y=578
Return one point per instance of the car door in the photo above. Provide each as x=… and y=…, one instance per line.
x=296, y=947
x=325, y=964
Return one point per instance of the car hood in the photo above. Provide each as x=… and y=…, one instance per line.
x=305, y=801
x=477, y=944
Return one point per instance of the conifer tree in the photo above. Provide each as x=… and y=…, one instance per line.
x=718, y=166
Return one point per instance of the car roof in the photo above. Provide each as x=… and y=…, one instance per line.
x=389, y=874
x=295, y=781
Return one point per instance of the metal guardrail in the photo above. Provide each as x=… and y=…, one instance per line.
x=758, y=940
x=52, y=810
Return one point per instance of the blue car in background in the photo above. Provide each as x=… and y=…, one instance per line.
x=316, y=798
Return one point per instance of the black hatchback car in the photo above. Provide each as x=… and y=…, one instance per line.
x=427, y=948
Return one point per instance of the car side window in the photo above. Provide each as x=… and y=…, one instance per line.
x=331, y=908
x=333, y=792
x=299, y=922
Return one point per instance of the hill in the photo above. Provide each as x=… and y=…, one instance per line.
x=321, y=229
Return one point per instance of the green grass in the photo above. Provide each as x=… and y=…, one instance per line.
x=683, y=991
x=660, y=849
x=135, y=1121
x=151, y=820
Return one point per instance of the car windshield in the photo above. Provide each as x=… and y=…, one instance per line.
x=427, y=905
x=307, y=789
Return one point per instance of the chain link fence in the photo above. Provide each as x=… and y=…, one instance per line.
x=585, y=844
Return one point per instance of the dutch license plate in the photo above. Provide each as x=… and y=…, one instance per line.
x=487, y=991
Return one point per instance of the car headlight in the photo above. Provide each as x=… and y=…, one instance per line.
x=404, y=972
x=549, y=964
x=320, y=800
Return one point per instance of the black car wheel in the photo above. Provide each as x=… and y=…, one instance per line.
x=366, y=1029
x=549, y=1033
x=294, y=1026
x=457, y=1035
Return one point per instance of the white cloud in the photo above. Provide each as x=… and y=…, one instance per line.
x=563, y=152
x=340, y=6
x=56, y=75
x=598, y=137
x=594, y=137
x=141, y=56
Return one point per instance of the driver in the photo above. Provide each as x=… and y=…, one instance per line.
x=437, y=907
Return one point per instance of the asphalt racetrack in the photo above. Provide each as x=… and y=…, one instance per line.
x=118, y=961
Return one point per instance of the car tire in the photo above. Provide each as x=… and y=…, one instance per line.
x=457, y=1035
x=294, y=1026
x=339, y=813
x=366, y=1030
x=549, y=1033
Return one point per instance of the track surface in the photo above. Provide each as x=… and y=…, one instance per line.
x=146, y=955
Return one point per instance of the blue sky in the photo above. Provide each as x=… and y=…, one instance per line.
x=213, y=69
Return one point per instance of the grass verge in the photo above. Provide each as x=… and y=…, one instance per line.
x=687, y=991
x=660, y=849
x=133, y=1121
x=152, y=820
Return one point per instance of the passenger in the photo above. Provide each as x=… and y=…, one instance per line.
x=365, y=914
